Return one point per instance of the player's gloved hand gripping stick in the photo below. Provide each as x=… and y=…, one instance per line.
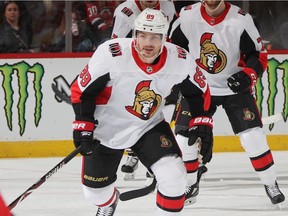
x=83, y=135
x=243, y=81
x=202, y=128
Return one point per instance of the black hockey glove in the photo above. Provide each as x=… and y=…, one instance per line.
x=202, y=127
x=174, y=95
x=243, y=81
x=83, y=135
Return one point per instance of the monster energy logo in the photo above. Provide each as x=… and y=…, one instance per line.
x=274, y=67
x=21, y=69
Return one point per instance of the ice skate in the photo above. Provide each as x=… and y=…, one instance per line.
x=190, y=193
x=129, y=168
x=109, y=210
x=274, y=193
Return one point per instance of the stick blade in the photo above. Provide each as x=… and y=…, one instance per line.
x=138, y=192
x=61, y=95
x=272, y=119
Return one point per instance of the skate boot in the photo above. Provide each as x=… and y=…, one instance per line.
x=129, y=167
x=273, y=192
x=191, y=192
x=149, y=178
x=109, y=210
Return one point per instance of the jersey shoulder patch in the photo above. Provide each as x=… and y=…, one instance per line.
x=188, y=7
x=127, y=11
x=182, y=53
x=115, y=49
x=242, y=12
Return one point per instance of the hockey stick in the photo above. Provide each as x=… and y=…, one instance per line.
x=45, y=177
x=60, y=94
x=272, y=119
x=176, y=108
x=128, y=195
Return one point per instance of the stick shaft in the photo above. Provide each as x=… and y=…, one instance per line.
x=45, y=177
x=272, y=119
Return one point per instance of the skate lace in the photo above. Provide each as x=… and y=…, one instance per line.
x=131, y=161
x=188, y=189
x=106, y=211
x=273, y=190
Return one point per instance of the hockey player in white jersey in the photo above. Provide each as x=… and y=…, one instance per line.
x=123, y=25
x=118, y=98
x=126, y=13
x=224, y=41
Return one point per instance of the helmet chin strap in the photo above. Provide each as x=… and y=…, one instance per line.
x=212, y=11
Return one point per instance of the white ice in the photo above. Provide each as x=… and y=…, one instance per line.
x=230, y=187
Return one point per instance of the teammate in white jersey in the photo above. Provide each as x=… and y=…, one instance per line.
x=123, y=25
x=126, y=13
x=122, y=88
x=224, y=41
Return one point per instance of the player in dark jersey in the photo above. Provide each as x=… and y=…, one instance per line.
x=224, y=41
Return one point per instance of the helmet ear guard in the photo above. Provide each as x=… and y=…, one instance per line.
x=152, y=21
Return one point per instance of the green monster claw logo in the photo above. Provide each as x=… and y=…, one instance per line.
x=274, y=67
x=22, y=69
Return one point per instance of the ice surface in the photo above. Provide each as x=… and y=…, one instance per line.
x=230, y=187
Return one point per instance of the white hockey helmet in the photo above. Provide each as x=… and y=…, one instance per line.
x=153, y=21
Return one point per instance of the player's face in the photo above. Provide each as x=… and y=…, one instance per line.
x=149, y=44
x=212, y=4
x=149, y=4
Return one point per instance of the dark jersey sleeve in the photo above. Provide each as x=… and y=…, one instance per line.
x=177, y=36
x=84, y=103
x=252, y=48
x=199, y=101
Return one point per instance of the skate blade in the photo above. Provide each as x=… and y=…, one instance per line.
x=190, y=201
x=279, y=205
x=129, y=176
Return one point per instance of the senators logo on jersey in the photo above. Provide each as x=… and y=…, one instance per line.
x=165, y=142
x=212, y=59
x=248, y=115
x=146, y=101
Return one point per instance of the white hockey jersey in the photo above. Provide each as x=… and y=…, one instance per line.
x=130, y=94
x=222, y=46
x=126, y=13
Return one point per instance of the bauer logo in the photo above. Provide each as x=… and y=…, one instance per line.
x=16, y=80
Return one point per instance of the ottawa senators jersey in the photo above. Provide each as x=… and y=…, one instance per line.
x=221, y=46
x=129, y=95
x=126, y=13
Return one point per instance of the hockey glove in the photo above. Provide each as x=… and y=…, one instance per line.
x=243, y=81
x=201, y=127
x=83, y=135
x=174, y=95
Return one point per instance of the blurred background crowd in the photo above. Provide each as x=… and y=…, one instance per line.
x=80, y=26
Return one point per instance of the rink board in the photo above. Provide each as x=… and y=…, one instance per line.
x=55, y=148
x=36, y=123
